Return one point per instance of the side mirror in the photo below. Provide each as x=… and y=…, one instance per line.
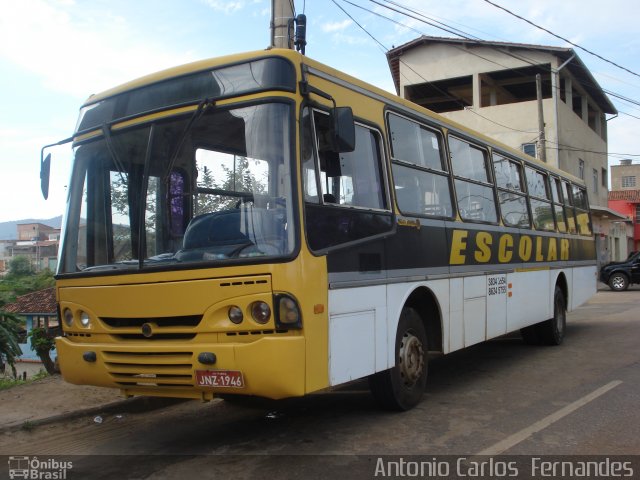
x=45, y=169
x=344, y=130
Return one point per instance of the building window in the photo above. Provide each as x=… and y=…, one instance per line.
x=581, y=168
x=629, y=181
x=530, y=149
x=595, y=181
x=605, y=178
x=638, y=213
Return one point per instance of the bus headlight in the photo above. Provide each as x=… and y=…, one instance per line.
x=288, y=313
x=85, y=321
x=68, y=317
x=261, y=312
x=235, y=314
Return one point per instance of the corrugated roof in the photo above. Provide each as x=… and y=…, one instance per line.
x=632, y=196
x=42, y=301
x=575, y=65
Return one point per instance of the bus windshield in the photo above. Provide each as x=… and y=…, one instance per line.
x=211, y=186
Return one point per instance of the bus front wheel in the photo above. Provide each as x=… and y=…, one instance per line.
x=401, y=387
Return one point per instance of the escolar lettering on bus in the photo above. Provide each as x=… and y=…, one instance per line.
x=486, y=247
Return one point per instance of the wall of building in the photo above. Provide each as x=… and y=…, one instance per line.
x=517, y=116
x=517, y=123
x=619, y=171
x=31, y=322
x=447, y=61
x=629, y=210
x=574, y=132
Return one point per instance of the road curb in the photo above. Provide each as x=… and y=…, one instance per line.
x=127, y=405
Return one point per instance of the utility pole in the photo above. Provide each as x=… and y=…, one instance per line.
x=282, y=24
x=541, y=140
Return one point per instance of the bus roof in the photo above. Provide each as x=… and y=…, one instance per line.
x=298, y=59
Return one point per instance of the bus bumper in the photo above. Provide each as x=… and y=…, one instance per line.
x=269, y=367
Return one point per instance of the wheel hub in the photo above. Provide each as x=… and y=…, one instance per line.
x=618, y=282
x=411, y=359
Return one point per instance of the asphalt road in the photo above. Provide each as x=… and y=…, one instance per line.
x=497, y=398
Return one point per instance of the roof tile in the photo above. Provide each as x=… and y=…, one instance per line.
x=42, y=301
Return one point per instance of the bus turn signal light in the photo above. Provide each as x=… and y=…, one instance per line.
x=288, y=314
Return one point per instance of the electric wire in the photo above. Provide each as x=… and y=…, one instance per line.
x=385, y=49
x=445, y=93
x=524, y=59
x=562, y=38
x=505, y=51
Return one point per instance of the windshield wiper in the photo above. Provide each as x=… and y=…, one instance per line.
x=202, y=107
x=106, y=131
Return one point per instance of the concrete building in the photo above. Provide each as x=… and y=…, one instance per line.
x=36, y=241
x=492, y=87
x=624, y=197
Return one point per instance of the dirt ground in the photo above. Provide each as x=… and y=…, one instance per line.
x=49, y=397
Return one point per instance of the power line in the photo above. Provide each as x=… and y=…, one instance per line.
x=363, y=29
x=562, y=38
x=448, y=28
x=386, y=49
x=446, y=94
x=470, y=37
x=523, y=59
x=629, y=115
x=571, y=148
x=500, y=124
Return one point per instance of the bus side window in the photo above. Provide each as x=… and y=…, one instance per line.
x=513, y=203
x=419, y=169
x=583, y=218
x=540, y=199
x=558, y=209
x=348, y=178
x=474, y=188
x=568, y=207
x=345, y=193
x=310, y=179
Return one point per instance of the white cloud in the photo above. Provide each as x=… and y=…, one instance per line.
x=330, y=27
x=225, y=6
x=78, y=52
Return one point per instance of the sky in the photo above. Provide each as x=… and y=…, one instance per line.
x=55, y=53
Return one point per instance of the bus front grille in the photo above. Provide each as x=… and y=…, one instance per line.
x=153, y=328
x=162, y=322
x=155, y=369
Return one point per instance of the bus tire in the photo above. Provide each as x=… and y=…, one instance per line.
x=552, y=331
x=401, y=388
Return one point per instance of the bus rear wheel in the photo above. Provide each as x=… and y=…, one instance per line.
x=401, y=387
x=552, y=331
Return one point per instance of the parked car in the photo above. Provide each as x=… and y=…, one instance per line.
x=619, y=275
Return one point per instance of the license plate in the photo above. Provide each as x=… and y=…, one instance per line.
x=219, y=378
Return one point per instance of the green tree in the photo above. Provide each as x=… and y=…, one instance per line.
x=42, y=343
x=241, y=179
x=20, y=266
x=206, y=203
x=9, y=344
x=14, y=285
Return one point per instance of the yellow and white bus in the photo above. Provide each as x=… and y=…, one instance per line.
x=261, y=224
